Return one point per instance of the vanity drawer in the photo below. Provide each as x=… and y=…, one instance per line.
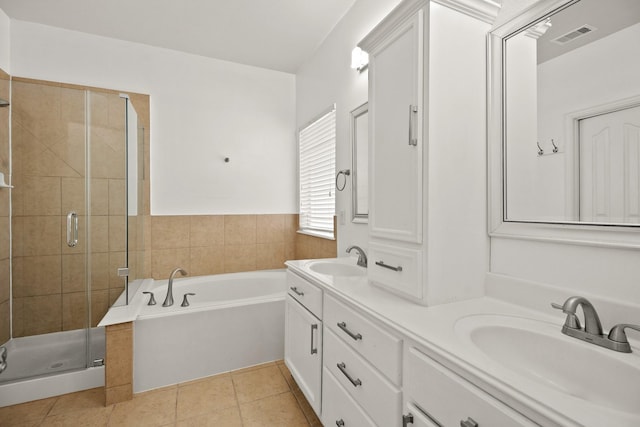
x=396, y=268
x=369, y=388
x=450, y=399
x=378, y=346
x=338, y=405
x=310, y=296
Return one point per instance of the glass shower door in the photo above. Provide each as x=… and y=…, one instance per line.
x=49, y=230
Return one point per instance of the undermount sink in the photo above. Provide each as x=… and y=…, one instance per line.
x=538, y=351
x=335, y=268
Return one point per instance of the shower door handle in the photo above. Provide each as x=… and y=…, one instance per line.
x=72, y=229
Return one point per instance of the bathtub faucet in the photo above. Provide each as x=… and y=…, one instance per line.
x=169, y=299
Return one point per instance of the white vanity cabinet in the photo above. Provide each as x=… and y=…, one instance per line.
x=426, y=157
x=362, y=369
x=396, y=50
x=434, y=395
x=396, y=60
x=303, y=337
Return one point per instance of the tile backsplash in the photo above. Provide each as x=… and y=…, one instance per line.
x=214, y=244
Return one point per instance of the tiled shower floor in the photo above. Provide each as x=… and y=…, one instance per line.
x=263, y=395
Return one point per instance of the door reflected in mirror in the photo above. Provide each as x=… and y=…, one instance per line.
x=360, y=146
x=571, y=116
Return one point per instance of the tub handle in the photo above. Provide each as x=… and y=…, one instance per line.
x=185, y=301
x=314, y=327
x=295, y=289
x=152, y=299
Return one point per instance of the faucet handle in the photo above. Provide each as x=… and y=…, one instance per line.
x=152, y=299
x=185, y=301
x=572, y=320
x=618, y=334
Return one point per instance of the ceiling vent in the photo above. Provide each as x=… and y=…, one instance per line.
x=574, y=34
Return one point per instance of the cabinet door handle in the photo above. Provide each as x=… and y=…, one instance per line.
x=390, y=267
x=295, y=289
x=343, y=326
x=407, y=419
x=340, y=423
x=343, y=369
x=314, y=327
x=469, y=423
x=413, y=141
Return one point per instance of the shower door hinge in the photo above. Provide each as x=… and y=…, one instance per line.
x=98, y=362
x=123, y=271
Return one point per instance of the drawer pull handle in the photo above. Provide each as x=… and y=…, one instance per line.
x=407, y=419
x=340, y=423
x=343, y=369
x=343, y=326
x=469, y=423
x=295, y=289
x=390, y=267
x=314, y=327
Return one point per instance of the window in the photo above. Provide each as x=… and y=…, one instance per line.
x=317, y=154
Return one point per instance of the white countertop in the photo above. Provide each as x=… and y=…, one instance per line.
x=434, y=328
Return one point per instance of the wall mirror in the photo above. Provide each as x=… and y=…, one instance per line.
x=564, y=115
x=360, y=167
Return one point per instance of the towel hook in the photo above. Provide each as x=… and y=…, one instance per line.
x=555, y=147
x=540, y=150
x=345, y=173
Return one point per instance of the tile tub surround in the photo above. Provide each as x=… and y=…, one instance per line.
x=118, y=381
x=214, y=244
x=264, y=395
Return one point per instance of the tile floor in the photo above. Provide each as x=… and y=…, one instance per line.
x=263, y=395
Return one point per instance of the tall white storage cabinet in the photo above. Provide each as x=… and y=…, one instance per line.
x=427, y=162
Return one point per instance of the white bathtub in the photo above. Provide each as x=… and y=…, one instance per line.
x=234, y=321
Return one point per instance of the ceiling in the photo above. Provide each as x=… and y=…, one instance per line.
x=607, y=17
x=275, y=34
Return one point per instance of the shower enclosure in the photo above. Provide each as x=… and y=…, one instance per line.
x=75, y=213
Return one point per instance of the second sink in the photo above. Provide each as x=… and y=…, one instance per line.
x=538, y=351
x=335, y=268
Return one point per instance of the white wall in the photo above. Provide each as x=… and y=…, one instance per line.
x=202, y=110
x=326, y=79
x=5, y=26
x=458, y=244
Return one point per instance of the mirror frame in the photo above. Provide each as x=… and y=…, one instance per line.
x=618, y=236
x=355, y=114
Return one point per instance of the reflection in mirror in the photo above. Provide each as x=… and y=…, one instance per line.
x=571, y=125
x=360, y=144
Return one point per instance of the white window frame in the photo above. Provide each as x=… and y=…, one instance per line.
x=316, y=174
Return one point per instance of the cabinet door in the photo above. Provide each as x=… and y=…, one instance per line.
x=396, y=129
x=303, y=350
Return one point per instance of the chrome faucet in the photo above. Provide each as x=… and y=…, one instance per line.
x=169, y=298
x=362, y=257
x=592, y=331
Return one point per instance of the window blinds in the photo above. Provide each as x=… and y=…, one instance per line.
x=317, y=168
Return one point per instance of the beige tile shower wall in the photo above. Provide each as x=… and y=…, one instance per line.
x=217, y=244
x=4, y=214
x=48, y=174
